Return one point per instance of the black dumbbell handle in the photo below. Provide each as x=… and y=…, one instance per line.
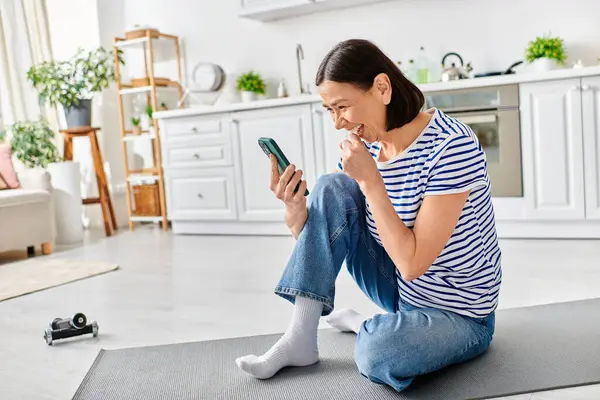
x=71, y=332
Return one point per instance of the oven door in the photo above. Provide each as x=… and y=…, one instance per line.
x=499, y=133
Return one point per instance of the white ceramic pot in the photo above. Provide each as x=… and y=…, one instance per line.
x=544, y=64
x=66, y=183
x=248, y=96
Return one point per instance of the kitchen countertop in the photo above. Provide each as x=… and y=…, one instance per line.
x=564, y=73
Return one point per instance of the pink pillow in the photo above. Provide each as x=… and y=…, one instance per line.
x=7, y=170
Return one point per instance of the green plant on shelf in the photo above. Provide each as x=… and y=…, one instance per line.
x=137, y=129
x=251, y=82
x=149, y=112
x=67, y=82
x=32, y=142
x=546, y=47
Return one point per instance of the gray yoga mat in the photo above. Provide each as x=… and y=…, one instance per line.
x=534, y=349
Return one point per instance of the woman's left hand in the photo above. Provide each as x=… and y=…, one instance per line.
x=357, y=162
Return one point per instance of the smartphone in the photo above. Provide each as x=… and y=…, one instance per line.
x=269, y=146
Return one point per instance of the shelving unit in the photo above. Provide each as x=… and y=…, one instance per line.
x=154, y=174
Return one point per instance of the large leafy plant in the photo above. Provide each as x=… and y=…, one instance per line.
x=32, y=143
x=67, y=82
x=546, y=47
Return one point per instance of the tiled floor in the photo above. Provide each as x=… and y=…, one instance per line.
x=188, y=288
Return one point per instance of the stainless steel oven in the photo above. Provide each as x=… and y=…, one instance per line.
x=493, y=115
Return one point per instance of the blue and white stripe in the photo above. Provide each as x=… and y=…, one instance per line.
x=447, y=158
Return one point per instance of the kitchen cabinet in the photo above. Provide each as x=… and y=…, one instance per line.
x=552, y=145
x=217, y=177
x=291, y=127
x=270, y=10
x=327, y=140
x=590, y=99
x=198, y=194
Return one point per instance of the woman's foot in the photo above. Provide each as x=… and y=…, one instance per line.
x=345, y=320
x=296, y=348
x=289, y=351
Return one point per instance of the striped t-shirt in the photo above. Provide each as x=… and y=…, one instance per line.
x=447, y=158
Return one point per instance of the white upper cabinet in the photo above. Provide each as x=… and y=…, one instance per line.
x=270, y=10
x=327, y=141
x=291, y=128
x=552, y=139
x=590, y=96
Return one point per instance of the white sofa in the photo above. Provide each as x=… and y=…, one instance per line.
x=27, y=213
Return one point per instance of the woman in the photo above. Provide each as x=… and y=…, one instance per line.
x=410, y=213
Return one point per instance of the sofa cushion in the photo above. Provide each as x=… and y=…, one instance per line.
x=7, y=169
x=13, y=197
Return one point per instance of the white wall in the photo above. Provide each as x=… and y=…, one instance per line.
x=492, y=33
x=90, y=24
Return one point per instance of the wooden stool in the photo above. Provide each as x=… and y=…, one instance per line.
x=104, y=199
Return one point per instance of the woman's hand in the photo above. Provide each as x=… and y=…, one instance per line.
x=357, y=162
x=283, y=187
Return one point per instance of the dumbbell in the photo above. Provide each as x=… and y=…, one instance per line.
x=62, y=328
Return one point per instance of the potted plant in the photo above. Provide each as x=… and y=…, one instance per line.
x=149, y=112
x=546, y=52
x=32, y=143
x=72, y=83
x=137, y=129
x=250, y=84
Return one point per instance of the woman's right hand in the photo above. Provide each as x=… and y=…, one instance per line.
x=295, y=203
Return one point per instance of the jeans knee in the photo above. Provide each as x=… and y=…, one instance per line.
x=382, y=354
x=336, y=184
x=372, y=351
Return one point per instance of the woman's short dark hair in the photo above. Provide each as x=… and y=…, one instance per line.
x=358, y=62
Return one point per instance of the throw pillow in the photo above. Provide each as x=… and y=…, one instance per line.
x=7, y=169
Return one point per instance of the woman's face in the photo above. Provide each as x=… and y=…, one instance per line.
x=358, y=111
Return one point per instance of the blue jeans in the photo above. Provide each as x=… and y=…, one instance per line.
x=391, y=348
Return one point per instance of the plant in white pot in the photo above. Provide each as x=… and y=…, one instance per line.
x=72, y=83
x=250, y=84
x=32, y=143
x=546, y=52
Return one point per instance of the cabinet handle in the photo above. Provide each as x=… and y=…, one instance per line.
x=233, y=121
x=200, y=196
x=197, y=156
x=584, y=87
x=575, y=87
x=194, y=129
x=317, y=111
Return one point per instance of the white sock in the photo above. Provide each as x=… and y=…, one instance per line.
x=296, y=348
x=345, y=320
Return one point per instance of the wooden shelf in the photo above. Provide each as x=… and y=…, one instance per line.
x=153, y=174
x=138, y=178
x=130, y=137
x=145, y=219
x=128, y=89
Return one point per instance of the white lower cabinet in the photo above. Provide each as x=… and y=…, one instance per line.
x=552, y=143
x=201, y=194
x=327, y=140
x=291, y=128
x=590, y=95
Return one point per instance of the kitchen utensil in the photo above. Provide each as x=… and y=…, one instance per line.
x=453, y=72
x=508, y=71
x=207, y=77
